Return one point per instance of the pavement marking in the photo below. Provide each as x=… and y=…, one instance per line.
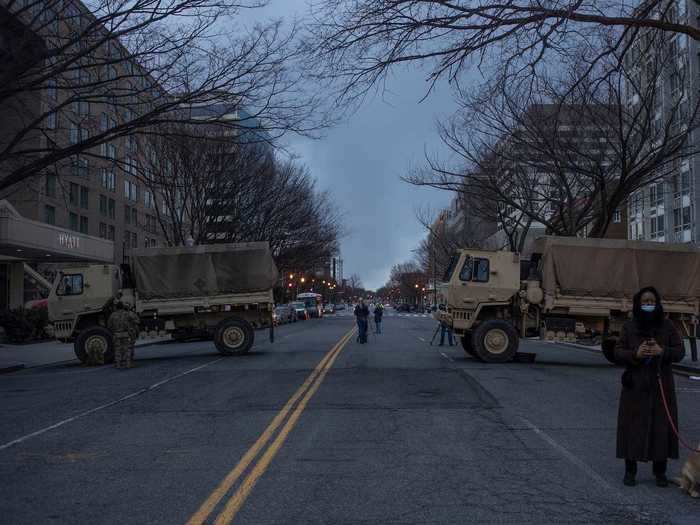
x=422, y=339
x=232, y=477
x=443, y=354
x=640, y=515
x=106, y=405
x=238, y=499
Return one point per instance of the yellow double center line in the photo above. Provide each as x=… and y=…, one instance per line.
x=234, y=504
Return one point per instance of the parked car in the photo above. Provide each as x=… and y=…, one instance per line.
x=338, y=307
x=284, y=314
x=300, y=311
x=328, y=308
x=403, y=308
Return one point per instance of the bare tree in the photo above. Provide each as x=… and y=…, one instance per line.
x=359, y=41
x=215, y=189
x=75, y=76
x=569, y=152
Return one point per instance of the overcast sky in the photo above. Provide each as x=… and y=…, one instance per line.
x=362, y=160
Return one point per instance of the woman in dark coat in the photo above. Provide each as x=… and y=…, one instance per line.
x=647, y=347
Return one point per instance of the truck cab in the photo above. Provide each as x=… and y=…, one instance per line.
x=80, y=295
x=481, y=290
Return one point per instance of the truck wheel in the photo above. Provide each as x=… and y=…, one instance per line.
x=467, y=344
x=94, y=346
x=495, y=341
x=234, y=336
x=608, y=347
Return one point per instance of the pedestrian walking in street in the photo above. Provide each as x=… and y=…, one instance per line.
x=445, y=328
x=378, y=313
x=649, y=344
x=124, y=325
x=362, y=315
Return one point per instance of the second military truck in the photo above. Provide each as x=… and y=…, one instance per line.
x=570, y=288
x=223, y=290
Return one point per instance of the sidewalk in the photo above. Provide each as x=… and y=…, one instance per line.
x=687, y=365
x=17, y=357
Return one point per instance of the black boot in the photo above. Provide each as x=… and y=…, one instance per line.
x=630, y=473
x=660, y=473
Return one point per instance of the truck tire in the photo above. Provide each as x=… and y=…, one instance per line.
x=495, y=341
x=234, y=336
x=100, y=340
x=467, y=344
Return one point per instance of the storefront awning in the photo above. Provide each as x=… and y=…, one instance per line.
x=22, y=239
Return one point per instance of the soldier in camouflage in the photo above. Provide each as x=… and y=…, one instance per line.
x=124, y=324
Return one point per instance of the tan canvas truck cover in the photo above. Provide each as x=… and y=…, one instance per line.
x=205, y=270
x=618, y=268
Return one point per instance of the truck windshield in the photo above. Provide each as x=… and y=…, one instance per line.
x=451, y=267
x=70, y=285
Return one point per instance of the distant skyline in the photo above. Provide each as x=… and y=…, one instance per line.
x=361, y=161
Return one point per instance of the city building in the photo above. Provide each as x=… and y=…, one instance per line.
x=94, y=196
x=540, y=200
x=667, y=209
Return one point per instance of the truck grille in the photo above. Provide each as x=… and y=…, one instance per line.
x=63, y=329
x=461, y=314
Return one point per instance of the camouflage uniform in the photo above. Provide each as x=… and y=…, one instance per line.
x=124, y=325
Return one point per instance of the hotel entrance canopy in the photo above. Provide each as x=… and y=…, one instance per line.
x=22, y=239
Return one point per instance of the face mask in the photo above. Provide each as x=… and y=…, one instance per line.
x=648, y=308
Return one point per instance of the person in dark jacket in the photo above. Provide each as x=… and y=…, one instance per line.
x=378, y=313
x=648, y=345
x=362, y=315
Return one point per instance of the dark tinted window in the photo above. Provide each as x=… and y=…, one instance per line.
x=451, y=267
x=70, y=285
x=466, y=273
x=481, y=270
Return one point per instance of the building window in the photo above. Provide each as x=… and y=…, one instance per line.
x=108, y=179
x=111, y=209
x=111, y=151
x=77, y=133
x=150, y=223
x=103, y=205
x=73, y=194
x=148, y=199
x=80, y=167
x=51, y=120
x=49, y=214
x=51, y=91
x=131, y=143
x=131, y=215
x=131, y=190
x=83, y=225
x=134, y=240
x=84, y=197
x=73, y=221
x=82, y=108
x=617, y=216
x=110, y=232
x=103, y=230
x=50, y=188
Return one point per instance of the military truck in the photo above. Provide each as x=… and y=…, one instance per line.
x=569, y=289
x=223, y=290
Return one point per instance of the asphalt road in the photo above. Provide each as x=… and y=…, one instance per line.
x=316, y=428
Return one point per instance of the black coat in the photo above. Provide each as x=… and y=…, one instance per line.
x=361, y=312
x=643, y=431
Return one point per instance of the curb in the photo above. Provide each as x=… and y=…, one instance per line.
x=13, y=368
x=686, y=370
x=22, y=366
x=677, y=367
